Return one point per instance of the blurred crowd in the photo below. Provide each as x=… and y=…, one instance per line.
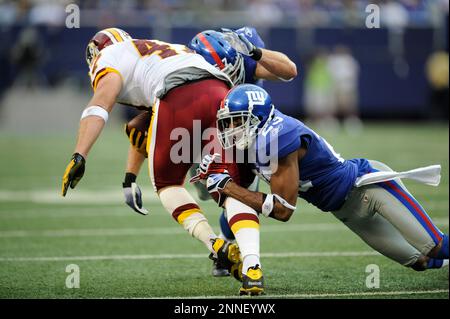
x=331, y=77
x=331, y=89
x=257, y=12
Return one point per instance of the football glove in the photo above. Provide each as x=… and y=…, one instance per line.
x=253, y=51
x=215, y=185
x=208, y=166
x=73, y=173
x=133, y=194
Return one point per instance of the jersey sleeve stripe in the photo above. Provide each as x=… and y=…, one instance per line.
x=101, y=73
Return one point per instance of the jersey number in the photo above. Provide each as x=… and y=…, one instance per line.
x=277, y=120
x=151, y=47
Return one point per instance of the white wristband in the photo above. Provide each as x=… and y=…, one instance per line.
x=268, y=204
x=95, y=110
x=284, y=202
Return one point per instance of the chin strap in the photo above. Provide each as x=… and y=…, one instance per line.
x=268, y=204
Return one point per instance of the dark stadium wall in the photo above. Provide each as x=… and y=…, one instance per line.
x=382, y=89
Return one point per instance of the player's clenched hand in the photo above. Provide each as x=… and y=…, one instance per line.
x=74, y=172
x=209, y=165
x=215, y=185
x=253, y=51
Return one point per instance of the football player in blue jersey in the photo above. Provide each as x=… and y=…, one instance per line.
x=241, y=54
x=367, y=196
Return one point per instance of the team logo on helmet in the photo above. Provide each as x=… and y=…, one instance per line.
x=246, y=111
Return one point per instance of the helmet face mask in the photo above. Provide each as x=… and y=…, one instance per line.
x=236, y=71
x=237, y=129
x=246, y=111
x=91, y=52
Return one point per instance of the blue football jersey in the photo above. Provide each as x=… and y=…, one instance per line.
x=249, y=63
x=325, y=177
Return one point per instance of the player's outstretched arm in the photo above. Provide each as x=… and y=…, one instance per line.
x=105, y=95
x=272, y=65
x=134, y=161
x=284, y=183
x=275, y=66
x=92, y=121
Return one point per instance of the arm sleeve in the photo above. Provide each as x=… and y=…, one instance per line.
x=292, y=140
x=289, y=145
x=102, y=65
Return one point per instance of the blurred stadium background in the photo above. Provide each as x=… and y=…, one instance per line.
x=397, y=84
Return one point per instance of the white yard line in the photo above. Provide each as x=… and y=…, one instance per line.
x=79, y=197
x=175, y=230
x=300, y=296
x=187, y=256
x=109, y=196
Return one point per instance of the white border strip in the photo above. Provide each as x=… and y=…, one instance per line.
x=303, y=296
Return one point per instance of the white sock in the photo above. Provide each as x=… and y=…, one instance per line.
x=248, y=241
x=203, y=232
x=445, y=263
x=244, y=224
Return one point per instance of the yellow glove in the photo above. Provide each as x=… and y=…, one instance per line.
x=74, y=172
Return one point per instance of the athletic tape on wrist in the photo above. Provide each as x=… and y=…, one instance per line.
x=284, y=202
x=268, y=204
x=95, y=110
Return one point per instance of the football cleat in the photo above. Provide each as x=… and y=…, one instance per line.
x=236, y=271
x=217, y=271
x=226, y=253
x=252, y=282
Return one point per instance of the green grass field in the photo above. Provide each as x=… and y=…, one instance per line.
x=121, y=254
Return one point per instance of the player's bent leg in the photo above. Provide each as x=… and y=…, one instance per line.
x=219, y=270
x=225, y=230
x=183, y=208
x=244, y=223
x=177, y=201
x=401, y=209
x=359, y=214
x=167, y=175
